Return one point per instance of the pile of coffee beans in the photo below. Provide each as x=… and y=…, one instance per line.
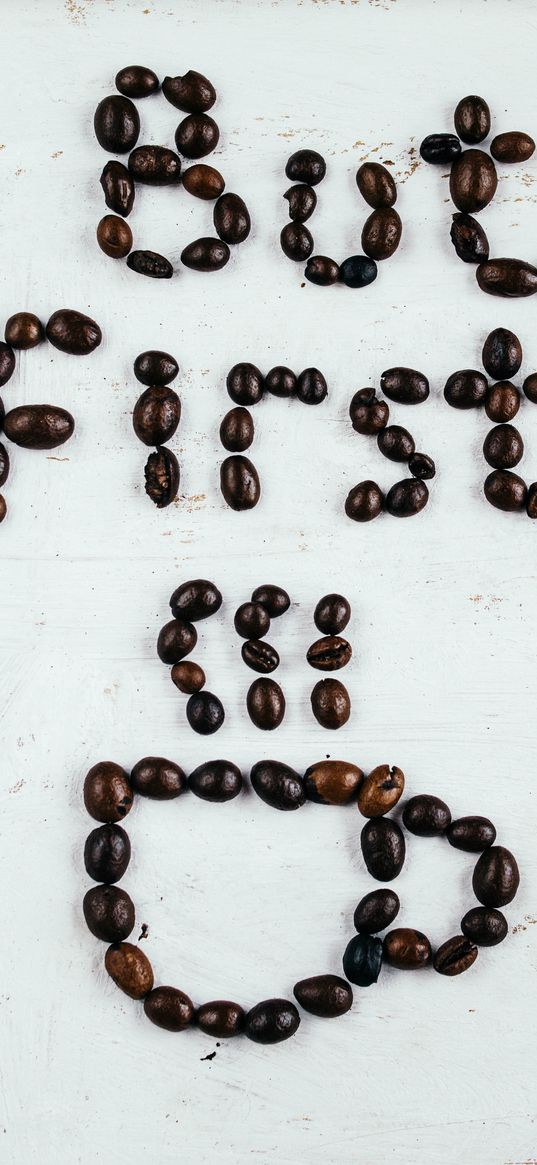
x=155, y=418
x=330, y=700
x=265, y=700
x=191, y=602
x=381, y=234
x=41, y=426
x=369, y=416
x=117, y=128
x=472, y=184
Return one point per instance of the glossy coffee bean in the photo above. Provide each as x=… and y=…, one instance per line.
x=332, y=614
x=107, y=853
x=7, y=363
x=239, y=482
x=193, y=93
x=405, y=386
x=302, y=201
x=407, y=949
x=245, y=384
x=396, y=443
x=426, y=816
x=220, y=1019
x=466, y=389
x=368, y=414
x=4, y=465
x=280, y=381
x=407, y=498
x=252, y=620
x=189, y=677
x=515, y=147
x=381, y=790
x=155, y=368
x=158, y=778
x=156, y=415
x=205, y=255
x=155, y=166
x=296, y=242
x=326, y=996
x=176, y=639
x=329, y=653
x=114, y=236
x=383, y=848
x=24, y=330
x=150, y=263
x=271, y=1021
x=376, y=185
x=473, y=181
x=333, y=782
x=502, y=354
x=472, y=119
x=3, y=508
x=530, y=387
x=118, y=187
x=306, y=166
x=203, y=182
x=510, y=278
x=485, y=927
x=503, y=447
x=130, y=969
x=109, y=913
x=472, y=834
x=422, y=466
x=73, y=332
x=531, y=501
x=265, y=702
x=274, y=599
x=469, y=239
x=137, y=81
x=502, y=402
x=362, y=960
x=322, y=271
x=196, y=599
x=278, y=785
x=358, y=271
x=440, y=148
x=496, y=877
x=330, y=704
x=108, y=794
x=205, y=713
x=381, y=233
x=2, y=414
x=237, y=430
x=505, y=490
x=162, y=477
x=169, y=1008
x=216, y=781
x=196, y=135
x=376, y=910
x=311, y=388
x=260, y=656
x=455, y=956
x=116, y=124
x=364, y=502
x=231, y=219
x=38, y=426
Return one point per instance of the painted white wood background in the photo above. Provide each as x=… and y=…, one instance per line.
x=240, y=900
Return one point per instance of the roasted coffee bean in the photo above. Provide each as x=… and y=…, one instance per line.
x=485, y=927
x=503, y=447
x=156, y=415
x=322, y=270
x=137, y=81
x=176, y=639
x=422, y=466
x=260, y=656
x=109, y=913
x=407, y=498
x=362, y=960
x=271, y=1021
x=196, y=135
x=502, y=354
x=383, y=848
x=231, y=219
x=237, y=430
x=381, y=234
x=302, y=201
x=245, y=384
x=188, y=677
x=306, y=166
x=364, y=502
x=512, y=147
x=216, y=780
x=203, y=182
x=472, y=119
x=368, y=414
x=280, y=381
x=265, y=702
x=330, y=704
x=155, y=166
x=130, y=969
x=239, y=482
x=162, y=476
x=205, y=713
x=505, y=490
x=192, y=93
x=407, y=949
x=358, y=271
x=381, y=790
x=376, y=185
x=2, y=414
x=277, y=784
x=455, y=956
x=405, y=386
x=376, y=911
x=274, y=599
x=510, y=278
x=205, y=255
x=114, y=236
x=118, y=187
x=73, y=332
x=24, y=330
x=150, y=263
x=107, y=853
x=196, y=599
x=473, y=181
x=158, y=778
x=531, y=502
x=502, y=402
x=530, y=387
x=108, y=792
x=116, y=124
x=252, y=620
x=332, y=614
x=333, y=782
x=38, y=426
x=296, y=242
x=496, y=878
x=329, y=653
x=311, y=388
x=326, y=996
x=469, y=239
x=440, y=148
x=466, y=389
x=155, y=368
x=7, y=363
x=396, y=443
x=4, y=465
x=220, y=1019
x=426, y=816
x=472, y=834
x=3, y=508
x=169, y=1008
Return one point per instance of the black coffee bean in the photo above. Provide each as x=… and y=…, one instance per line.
x=245, y=384
x=196, y=599
x=503, y=447
x=203, y=182
x=7, y=363
x=109, y=913
x=296, y=242
x=496, y=878
x=333, y=782
x=162, y=477
x=302, y=201
x=237, y=430
x=364, y=502
x=114, y=236
x=376, y=911
x=156, y=415
x=332, y=614
x=155, y=166
x=169, y=1008
x=466, y=389
x=116, y=124
x=4, y=465
x=205, y=255
x=192, y=93
x=205, y=713
x=381, y=233
x=216, y=780
x=426, y=816
x=514, y=147
x=510, y=278
x=137, y=81
x=176, y=639
x=278, y=785
x=311, y=388
x=108, y=794
x=502, y=354
x=107, y=853
x=473, y=181
x=220, y=1019
x=322, y=271
x=383, y=848
x=502, y=402
x=188, y=676
x=271, y=1021
x=280, y=381
x=407, y=949
x=422, y=466
x=326, y=996
x=2, y=414
x=440, y=148
x=158, y=778
x=150, y=263
x=368, y=414
x=472, y=119
x=266, y=704
x=531, y=502
x=196, y=135
x=118, y=187
x=455, y=956
x=306, y=166
x=469, y=239
x=155, y=368
x=486, y=927
x=404, y=385
x=24, y=330
x=38, y=426
x=252, y=620
x=329, y=653
x=231, y=219
x=72, y=332
x=362, y=960
x=239, y=482
x=260, y=656
x=376, y=185
x=274, y=599
x=396, y=443
x=472, y=834
x=358, y=271
x=407, y=498
x=505, y=490
x=330, y=704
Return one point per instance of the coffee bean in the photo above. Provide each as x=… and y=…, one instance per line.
x=220, y=1019
x=472, y=834
x=196, y=135
x=466, y=389
x=38, y=426
x=150, y=263
x=455, y=956
x=274, y=599
x=485, y=927
x=155, y=368
x=376, y=911
x=189, y=677
x=396, y=443
x=326, y=996
x=193, y=93
x=496, y=878
x=296, y=242
x=364, y=502
x=502, y=354
x=472, y=119
x=260, y=656
x=107, y=853
x=278, y=785
x=216, y=781
x=137, y=81
x=245, y=384
x=2, y=414
x=333, y=782
x=271, y=1021
x=130, y=969
x=280, y=381
x=362, y=960
x=114, y=236
x=169, y=1008
x=322, y=270
x=512, y=147
x=162, y=477
x=203, y=182
x=510, y=278
x=381, y=791
x=311, y=388
x=376, y=185
x=7, y=363
x=381, y=234
x=306, y=166
x=426, y=816
x=383, y=848
x=330, y=704
x=231, y=219
x=502, y=402
x=158, y=778
x=302, y=201
x=422, y=466
x=196, y=599
x=265, y=702
x=530, y=387
x=108, y=792
x=252, y=620
x=440, y=148
x=505, y=490
x=118, y=187
x=239, y=482
x=405, y=386
x=4, y=465
x=109, y=913
x=176, y=639
x=329, y=653
x=368, y=414
x=24, y=330
x=473, y=181
x=407, y=949
x=73, y=332
x=503, y=447
x=531, y=503
x=358, y=271
x=116, y=124
x=156, y=415
x=332, y=614
x=469, y=239
x=155, y=166
x=237, y=430
x=407, y=498
x=3, y=508
x=205, y=713
x=205, y=255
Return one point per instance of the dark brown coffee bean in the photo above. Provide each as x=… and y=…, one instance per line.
x=502, y=354
x=440, y=148
x=381, y=234
x=109, y=913
x=137, y=81
x=485, y=927
x=162, y=477
x=3, y=508
x=114, y=236
x=455, y=956
x=422, y=466
x=302, y=201
x=330, y=704
x=407, y=498
x=156, y=415
x=107, y=853
x=196, y=135
x=216, y=780
x=231, y=219
x=472, y=119
x=158, y=778
x=150, y=263
x=205, y=713
x=472, y=834
x=7, y=363
x=510, y=278
x=322, y=270
x=396, y=443
x=237, y=430
x=329, y=653
x=530, y=387
x=220, y=1019
x=155, y=166
x=188, y=677
x=473, y=181
x=376, y=185
x=73, y=332
x=368, y=414
x=407, y=949
x=512, y=147
x=311, y=388
x=118, y=187
x=277, y=784
x=306, y=166
x=333, y=782
x=4, y=465
x=196, y=599
x=531, y=503
x=245, y=384
x=426, y=816
x=176, y=639
x=274, y=599
x=362, y=960
x=503, y=447
x=130, y=969
x=203, y=182
x=252, y=620
x=239, y=482
x=116, y=124
x=466, y=389
x=271, y=1021
x=383, y=848
x=381, y=790
x=469, y=239
x=205, y=255
x=296, y=242
x=280, y=381
x=169, y=1008
x=358, y=271
x=404, y=385
x=332, y=614
x=108, y=794
x=326, y=996
x=502, y=402
x=364, y=502
x=496, y=878
x=376, y=911
x=155, y=368
x=193, y=93
x=24, y=330
x=2, y=414
x=265, y=702
x=38, y=426
x=260, y=656
x=505, y=490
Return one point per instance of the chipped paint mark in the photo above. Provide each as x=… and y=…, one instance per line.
x=51, y=458
x=18, y=786
x=75, y=12
x=57, y=154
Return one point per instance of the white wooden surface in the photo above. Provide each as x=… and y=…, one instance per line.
x=240, y=900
